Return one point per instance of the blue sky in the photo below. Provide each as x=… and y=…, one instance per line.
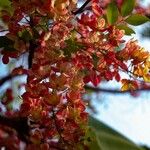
x=128, y=115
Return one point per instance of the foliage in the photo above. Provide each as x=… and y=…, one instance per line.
x=67, y=47
x=105, y=137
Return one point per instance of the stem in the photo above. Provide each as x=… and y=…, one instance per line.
x=57, y=128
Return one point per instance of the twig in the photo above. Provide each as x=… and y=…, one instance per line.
x=59, y=130
x=7, y=78
x=32, y=47
x=81, y=9
x=113, y=91
x=57, y=127
x=5, y=30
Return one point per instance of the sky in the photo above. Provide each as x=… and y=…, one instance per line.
x=128, y=115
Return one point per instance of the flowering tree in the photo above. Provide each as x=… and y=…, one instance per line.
x=67, y=47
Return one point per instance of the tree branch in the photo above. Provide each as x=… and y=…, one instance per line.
x=5, y=30
x=93, y=89
x=19, y=124
x=32, y=46
x=81, y=9
x=7, y=78
x=113, y=91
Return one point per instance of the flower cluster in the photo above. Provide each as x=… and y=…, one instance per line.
x=66, y=51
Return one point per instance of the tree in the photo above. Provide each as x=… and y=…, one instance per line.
x=67, y=48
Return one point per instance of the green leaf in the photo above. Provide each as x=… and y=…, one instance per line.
x=104, y=137
x=6, y=5
x=137, y=19
x=25, y=35
x=128, y=31
x=6, y=43
x=127, y=7
x=112, y=13
x=72, y=47
x=92, y=140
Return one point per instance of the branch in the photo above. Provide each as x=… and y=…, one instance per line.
x=93, y=89
x=19, y=124
x=5, y=30
x=113, y=91
x=81, y=9
x=32, y=48
x=21, y=127
x=7, y=78
x=33, y=44
x=58, y=128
